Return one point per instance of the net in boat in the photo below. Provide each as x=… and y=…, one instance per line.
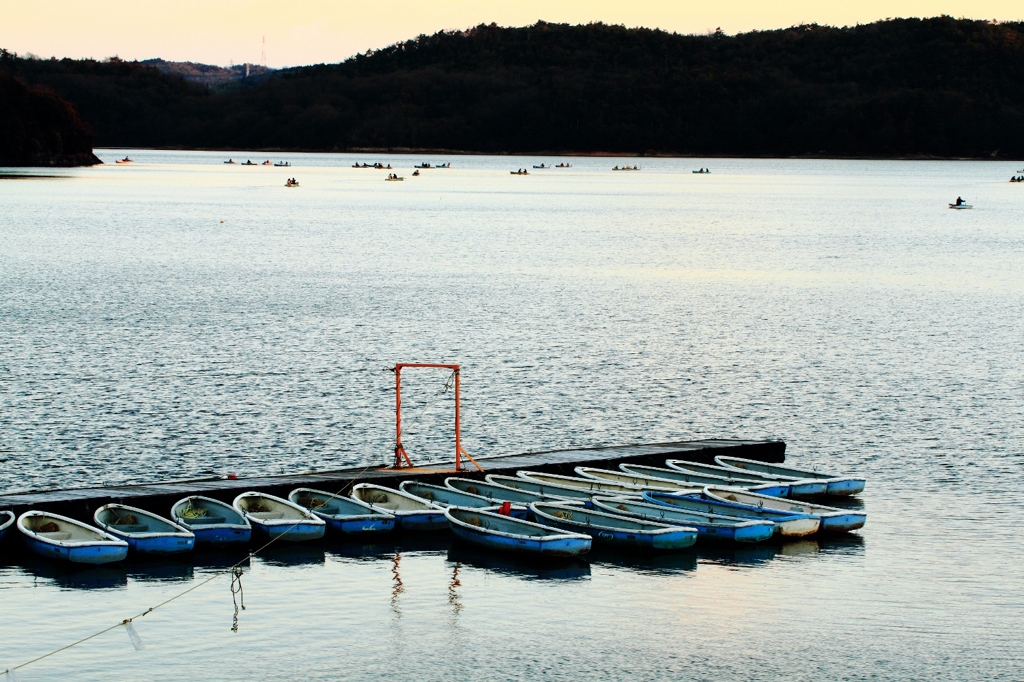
x=193, y=512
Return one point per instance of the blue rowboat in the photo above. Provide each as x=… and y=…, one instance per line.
x=509, y=534
x=6, y=521
x=614, y=529
x=411, y=513
x=552, y=492
x=787, y=524
x=671, y=481
x=446, y=497
x=709, y=526
x=840, y=486
x=796, y=487
x=832, y=519
x=589, y=485
x=277, y=518
x=496, y=494
x=214, y=523
x=343, y=514
x=58, y=537
x=697, y=479
x=144, y=532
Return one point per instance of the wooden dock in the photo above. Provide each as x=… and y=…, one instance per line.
x=80, y=503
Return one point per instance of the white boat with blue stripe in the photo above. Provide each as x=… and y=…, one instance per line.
x=652, y=478
x=214, y=523
x=343, y=514
x=58, y=537
x=145, y=532
x=614, y=529
x=787, y=524
x=410, y=512
x=836, y=484
x=446, y=497
x=495, y=493
x=495, y=531
x=709, y=526
x=832, y=519
x=277, y=518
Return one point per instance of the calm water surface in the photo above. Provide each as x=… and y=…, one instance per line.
x=184, y=318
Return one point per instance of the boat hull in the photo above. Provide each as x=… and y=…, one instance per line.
x=100, y=553
x=556, y=547
x=219, y=536
x=846, y=487
x=833, y=520
x=161, y=544
x=660, y=541
x=290, y=531
x=369, y=525
x=742, y=531
x=786, y=525
x=419, y=521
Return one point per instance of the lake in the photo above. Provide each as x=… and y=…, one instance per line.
x=180, y=317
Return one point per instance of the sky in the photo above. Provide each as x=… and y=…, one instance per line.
x=314, y=31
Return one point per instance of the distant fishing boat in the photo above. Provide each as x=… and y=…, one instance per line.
x=6, y=522
x=521, y=171
x=614, y=529
x=249, y=163
x=124, y=160
x=213, y=522
x=266, y=163
x=960, y=206
x=702, y=171
x=58, y=537
x=797, y=487
x=232, y=161
x=145, y=532
x=787, y=524
x=282, y=164
x=494, y=493
x=343, y=514
x=627, y=167
x=832, y=519
x=291, y=182
x=446, y=497
x=394, y=178
x=411, y=513
x=444, y=165
x=564, y=165
x=835, y=484
x=509, y=534
x=422, y=165
x=416, y=173
x=276, y=517
x=540, y=166
x=670, y=482
x=710, y=526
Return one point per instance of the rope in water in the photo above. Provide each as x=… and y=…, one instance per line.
x=235, y=589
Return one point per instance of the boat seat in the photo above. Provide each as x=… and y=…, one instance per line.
x=205, y=520
x=131, y=527
x=56, y=535
x=266, y=516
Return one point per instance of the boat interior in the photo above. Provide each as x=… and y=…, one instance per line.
x=328, y=504
x=491, y=491
x=589, y=517
x=60, y=530
x=127, y=520
x=197, y=510
x=501, y=524
x=392, y=500
x=267, y=508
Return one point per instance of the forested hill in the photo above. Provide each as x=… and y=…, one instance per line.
x=907, y=87
x=38, y=128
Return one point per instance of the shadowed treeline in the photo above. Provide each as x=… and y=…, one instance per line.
x=907, y=87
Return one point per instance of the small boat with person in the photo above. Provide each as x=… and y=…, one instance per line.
x=564, y=165
x=282, y=164
x=145, y=532
x=343, y=514
x=509, y=534
x=521, y=171
x=833, y=520
x=834, y=484
x=710, y=526
x=627, y=167
x=394, y=177
x=960, y=204
x=248, y=162
x=7, y=519
x=614, y=529
x=446, y=497
x=291, y=182
x=231, y=161
x=125, y=160
x=410, y=512
x=58, y=537
x=787, y=524
x=214, y=523
x=540, y=166
x=702, y=171
x=277, y=518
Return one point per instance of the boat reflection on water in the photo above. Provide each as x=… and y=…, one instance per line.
x=69, y=576
x=172, y=568
x=385, y=546
x=292, y=554
x=526, y=567
x=645, y=562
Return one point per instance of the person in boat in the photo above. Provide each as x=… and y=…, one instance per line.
x=959, y=201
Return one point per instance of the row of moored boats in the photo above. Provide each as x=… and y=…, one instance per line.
x=646, y=507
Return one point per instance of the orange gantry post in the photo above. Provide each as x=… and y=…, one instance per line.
x=401, y=456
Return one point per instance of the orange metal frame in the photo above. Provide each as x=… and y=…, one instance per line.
x=401, y=456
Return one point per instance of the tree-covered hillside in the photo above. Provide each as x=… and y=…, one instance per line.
x=933, y=87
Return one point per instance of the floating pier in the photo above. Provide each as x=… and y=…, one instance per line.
x=80, y=503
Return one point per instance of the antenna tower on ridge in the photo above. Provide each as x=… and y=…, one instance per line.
x=263, y=55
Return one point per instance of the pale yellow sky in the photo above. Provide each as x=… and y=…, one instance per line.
x=313, y=31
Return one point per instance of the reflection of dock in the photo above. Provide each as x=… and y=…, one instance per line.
x=158, y=497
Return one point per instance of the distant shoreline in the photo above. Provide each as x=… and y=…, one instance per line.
x=565, y=154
